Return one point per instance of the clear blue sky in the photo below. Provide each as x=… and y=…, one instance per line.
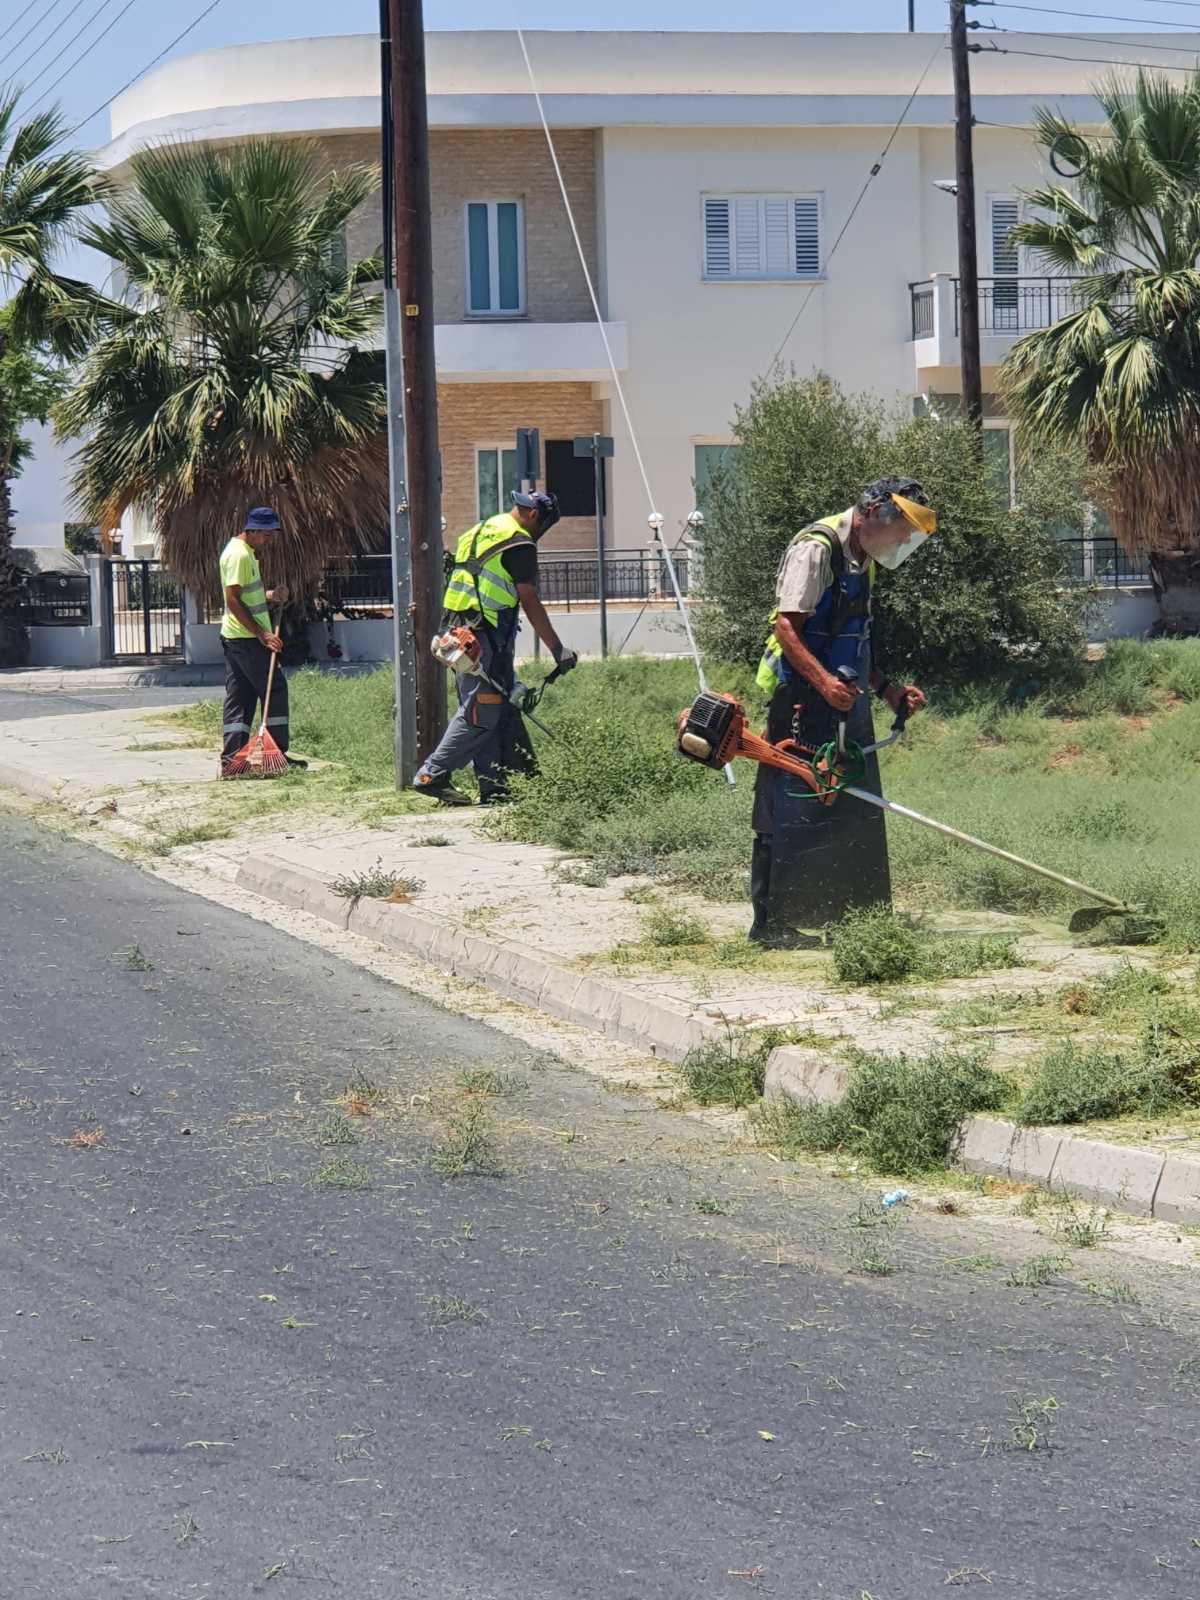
x=97, y=66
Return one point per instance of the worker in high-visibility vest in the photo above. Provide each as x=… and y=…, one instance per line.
x=812, y=863
x=492, y=580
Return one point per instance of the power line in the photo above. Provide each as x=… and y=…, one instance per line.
x=870, y=178
x=178, y=39
x=37, y=49
x=36, y=23
x=86, y=51
x=1098, y=61
x=1092, y=16
x=1092, y=38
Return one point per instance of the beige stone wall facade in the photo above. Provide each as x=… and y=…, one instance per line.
x=497, y=164
x=475, y=414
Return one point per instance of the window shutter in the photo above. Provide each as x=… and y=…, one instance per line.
x=808, y=238
x=718, y=259
x=1006, y=256
x=747, y=255
x=777, y=237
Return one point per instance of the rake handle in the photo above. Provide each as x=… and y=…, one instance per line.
x=270, y=680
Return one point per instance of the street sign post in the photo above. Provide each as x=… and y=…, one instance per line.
x=599, y=446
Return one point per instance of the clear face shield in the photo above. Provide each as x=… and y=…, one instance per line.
x=902, y=535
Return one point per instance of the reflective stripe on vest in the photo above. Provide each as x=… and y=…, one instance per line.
x=478, y=580
x=773, y=668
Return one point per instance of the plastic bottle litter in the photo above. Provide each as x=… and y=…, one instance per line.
x=896, y=1198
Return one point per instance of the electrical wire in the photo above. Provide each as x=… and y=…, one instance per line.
x=795, y=322
x=37, y=49
x=83, y=54
x=654, y=519
x=870, y=178
x=1092, y=38
x=36, y=23
x=1097, y=61
x=141, y=73
x=1092, y=16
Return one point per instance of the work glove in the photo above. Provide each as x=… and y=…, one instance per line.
x=565, y=659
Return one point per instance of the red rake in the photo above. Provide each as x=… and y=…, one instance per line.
x=260, y=756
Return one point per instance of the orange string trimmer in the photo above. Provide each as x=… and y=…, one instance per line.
x=260, y=756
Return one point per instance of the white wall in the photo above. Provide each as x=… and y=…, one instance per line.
x=695, y=348
x=40, y=494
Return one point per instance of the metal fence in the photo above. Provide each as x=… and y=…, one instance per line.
x=628, y=575
x=1105, y=562
x=146, y=606
x=57, y=599
x=360, y=587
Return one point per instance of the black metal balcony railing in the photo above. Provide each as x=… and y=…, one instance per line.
x=1006, y=305
x=1104, y=562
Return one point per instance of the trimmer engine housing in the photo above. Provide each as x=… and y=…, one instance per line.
x=709, y=730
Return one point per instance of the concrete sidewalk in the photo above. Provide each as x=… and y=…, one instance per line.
x=505, y=916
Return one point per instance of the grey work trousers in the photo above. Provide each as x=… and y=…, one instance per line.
x=474, y=734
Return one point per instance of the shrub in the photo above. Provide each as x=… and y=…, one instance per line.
x=901, y=1115
x=875, y=946
x=665, y=927
x=729, y=1071
x=1077, y=1084
x=983, y=601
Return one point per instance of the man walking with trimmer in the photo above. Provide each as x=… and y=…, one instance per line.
x=493, y=579
x=248, y=642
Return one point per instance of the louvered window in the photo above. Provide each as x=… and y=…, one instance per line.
x=1004, y=213
x=762, y=236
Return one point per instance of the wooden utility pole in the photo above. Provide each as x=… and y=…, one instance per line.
x=968, y=258
x=414, y=292
x=404, y=643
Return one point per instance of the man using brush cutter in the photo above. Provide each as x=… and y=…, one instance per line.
x=812, y=863
x=248, y=641
x=493, y=578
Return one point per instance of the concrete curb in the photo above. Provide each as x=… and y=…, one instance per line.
x=1142, y=1183
x=649, y=1024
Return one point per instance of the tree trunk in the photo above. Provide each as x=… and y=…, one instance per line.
x=1176, y=578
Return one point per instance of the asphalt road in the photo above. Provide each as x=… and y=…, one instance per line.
x=19, y=703
x=630, y=1365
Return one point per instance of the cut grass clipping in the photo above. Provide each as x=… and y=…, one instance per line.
x=467, y=1147
x=1074, y=1083
x=729, y=1071
x=899, y=1115
x=876, y=946
x=376, y=883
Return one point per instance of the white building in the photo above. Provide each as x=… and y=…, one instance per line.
x=711, y=175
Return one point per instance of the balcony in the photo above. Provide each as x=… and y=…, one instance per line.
x=1008, y=307
x=515, y=351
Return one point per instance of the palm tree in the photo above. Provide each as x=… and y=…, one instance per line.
x=41, y=198
x=1121, y=374
x=226, y=372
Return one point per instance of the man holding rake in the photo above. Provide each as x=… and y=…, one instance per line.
x=251, y=646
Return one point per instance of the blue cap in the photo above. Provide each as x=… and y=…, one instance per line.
x=530, y=501
x=261, y=520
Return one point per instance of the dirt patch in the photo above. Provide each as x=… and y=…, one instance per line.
x=1065, y=757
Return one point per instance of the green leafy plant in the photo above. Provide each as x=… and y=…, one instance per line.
x=467, y=1145
x=729, y=1071
x=874, y=945
x=901, y=1115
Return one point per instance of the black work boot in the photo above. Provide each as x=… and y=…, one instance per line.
x=760, y=887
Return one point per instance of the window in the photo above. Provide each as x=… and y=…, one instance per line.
x=710, y=459
x=1004, y=212
x=495, y=258
x=762, y=236
x=572, y=478
x=495, y=479
x=998, y=461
